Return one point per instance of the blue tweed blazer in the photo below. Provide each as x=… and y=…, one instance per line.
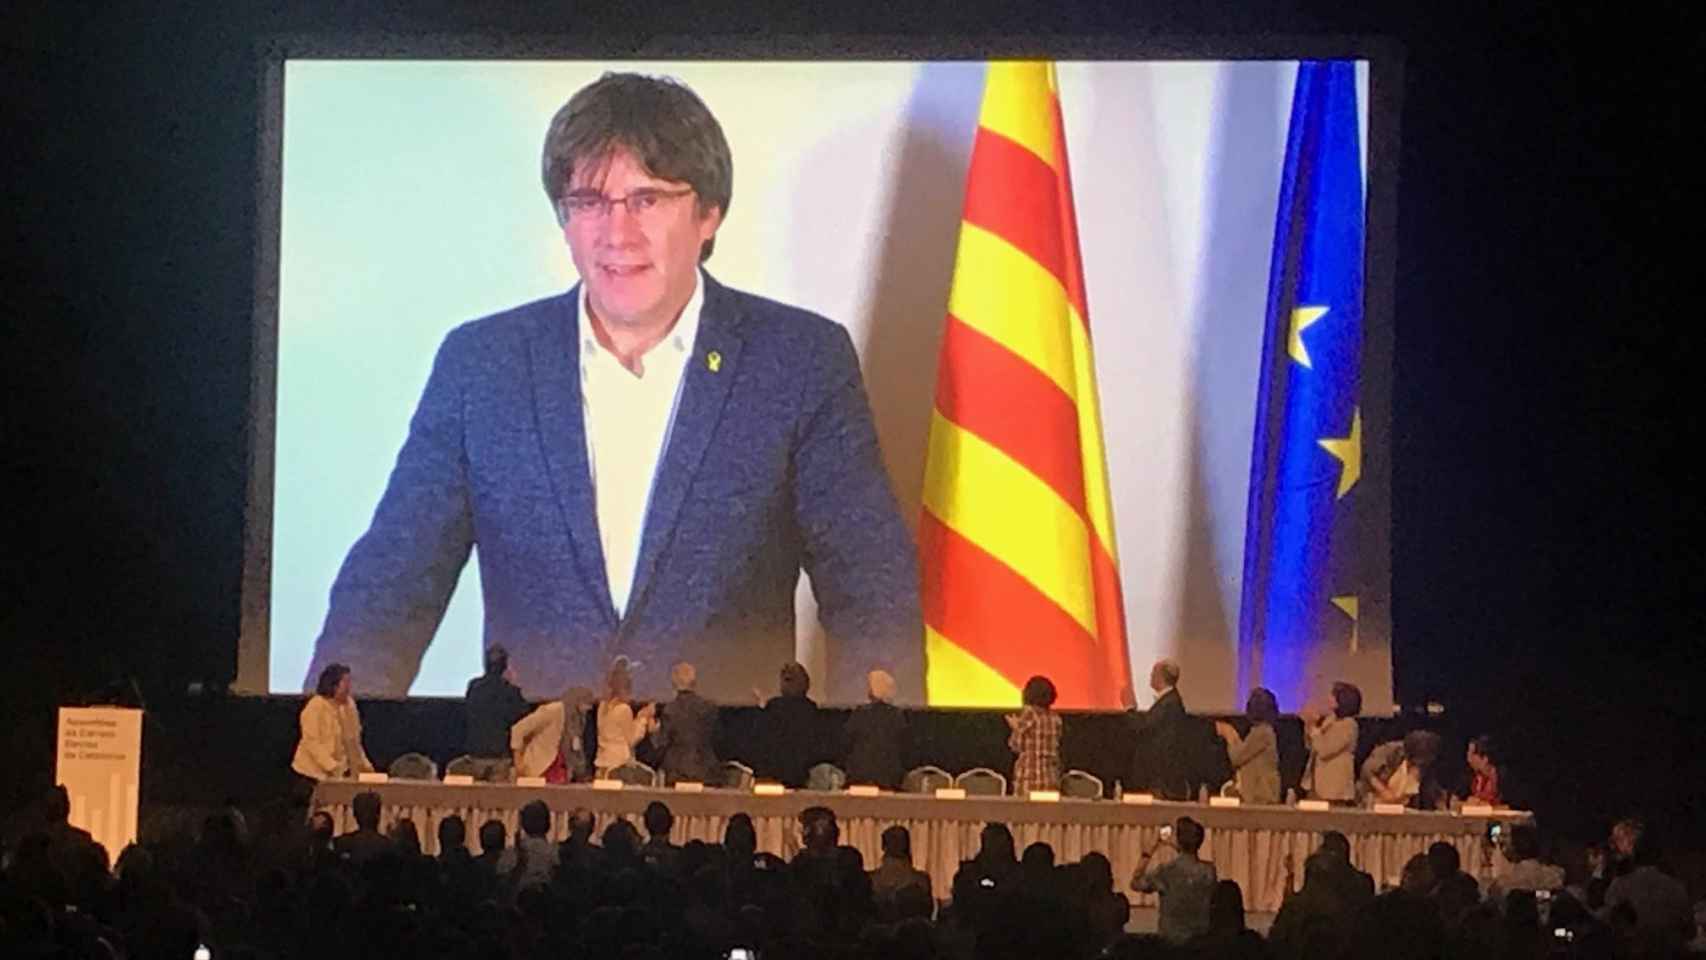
x=772, y=467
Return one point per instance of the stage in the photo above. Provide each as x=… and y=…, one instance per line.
x=1246, y=844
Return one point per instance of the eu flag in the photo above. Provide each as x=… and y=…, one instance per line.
x=1307, y=451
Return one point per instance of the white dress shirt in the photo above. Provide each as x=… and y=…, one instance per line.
x=628, y=420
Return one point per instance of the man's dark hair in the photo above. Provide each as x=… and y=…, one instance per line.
x=1226, y=908
x=740, y=838
x=819, y=826
x=1188, y=834
x=658, y=819
x=330, y=677
x=621, y=840
x=667, y=128
x=1525, y=842
x=897, y=842
x=1335, y=843
x=1444, y=859
x=1038, y=856
x=1421, y=747
x=1039, y=692
x=492, y=835
x=1262, y=706
x=1347, y=699
x=536, y=819
x=452, y=833
x=366, y=808
x=497, y=660
x=582, y=823
x=57, y=805
x=996, y=841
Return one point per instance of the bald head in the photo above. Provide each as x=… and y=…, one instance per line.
x=881, y=685
x=1164, y=674
x=683, y=676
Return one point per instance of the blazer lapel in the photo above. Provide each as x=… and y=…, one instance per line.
x=705, y=386
x=556, y=368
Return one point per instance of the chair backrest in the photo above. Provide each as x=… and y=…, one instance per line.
x=462, y=766
x=926, y=779
x=413, y=766
x=737, y=775
x=982, y=781
x=635, y=774
x=826, y=776
x=1084, y=786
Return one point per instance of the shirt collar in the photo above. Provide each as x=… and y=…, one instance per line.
x=679, y=341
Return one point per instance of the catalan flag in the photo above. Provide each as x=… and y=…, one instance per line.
x=1300, y=600
x=1020, y=572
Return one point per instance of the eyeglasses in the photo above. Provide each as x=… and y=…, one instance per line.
x=597, y=206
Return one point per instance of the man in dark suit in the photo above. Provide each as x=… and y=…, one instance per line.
x=647, y=462
x=685, y=731
x=1161, y=759
x=494, y=704
x=875, y=737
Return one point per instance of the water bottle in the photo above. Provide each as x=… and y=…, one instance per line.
x=1119, y=792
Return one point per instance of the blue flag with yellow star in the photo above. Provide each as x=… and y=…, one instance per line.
x=1306, y=456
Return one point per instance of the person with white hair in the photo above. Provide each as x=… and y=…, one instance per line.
x=1160, y=760
x=875, y=736
x=685, y=730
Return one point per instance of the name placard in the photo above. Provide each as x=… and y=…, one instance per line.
x=863, y=790
x=608, y=785
x=1477, y=810
x=373, y=778
x=1314, y=806
x=1139, y=799
x=530, y=781
x=1390, y=808
x=689, y=786
x=768, y=789
x=458, y=780
x=1225, y=802
x=950, y=793
x=1045, y=796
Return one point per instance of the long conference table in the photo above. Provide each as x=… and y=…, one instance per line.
x=1249, y=844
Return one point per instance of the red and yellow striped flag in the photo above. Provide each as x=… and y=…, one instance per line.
x=1021, y=576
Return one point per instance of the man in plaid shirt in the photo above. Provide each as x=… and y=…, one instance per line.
x=1035, y=739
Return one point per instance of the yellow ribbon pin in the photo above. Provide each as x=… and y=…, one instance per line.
x=714, y=360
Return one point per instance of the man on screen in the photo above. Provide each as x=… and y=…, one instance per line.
x=645, y=462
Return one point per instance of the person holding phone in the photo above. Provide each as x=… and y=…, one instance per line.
x=1184, y=881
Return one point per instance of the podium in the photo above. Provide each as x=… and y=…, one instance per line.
x=99, y=762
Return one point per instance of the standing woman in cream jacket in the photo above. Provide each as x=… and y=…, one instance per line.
x=1331, y=772
x=330, y=748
